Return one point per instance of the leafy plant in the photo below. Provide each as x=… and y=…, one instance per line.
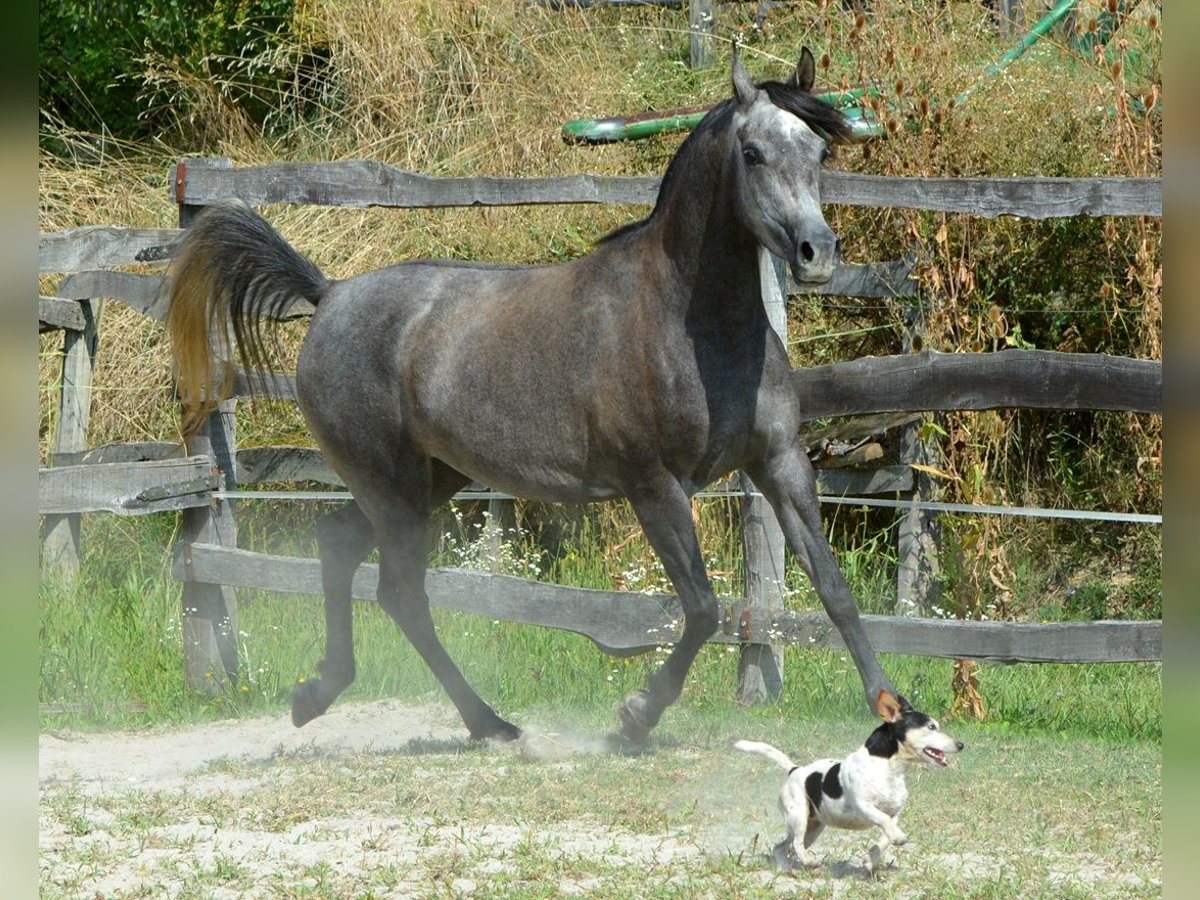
x=102, y=62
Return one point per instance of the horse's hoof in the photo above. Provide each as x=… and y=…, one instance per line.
x=493, y=729
x=633, y=718
x=307, y=702
x=504, y=732
x=499, y=730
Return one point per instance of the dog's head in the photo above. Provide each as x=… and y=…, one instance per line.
x=909, y=735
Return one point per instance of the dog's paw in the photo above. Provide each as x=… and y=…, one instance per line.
x=899, y=839
x=787, y=859
x=874, y=859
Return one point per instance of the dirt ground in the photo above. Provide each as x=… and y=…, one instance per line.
x=388, y=799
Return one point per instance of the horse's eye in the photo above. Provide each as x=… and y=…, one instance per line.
x=752, y=155
x=825, y=153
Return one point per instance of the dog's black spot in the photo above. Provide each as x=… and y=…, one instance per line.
x=812, y=787
x=882, y=742
x=832, y=785
x=885, y=740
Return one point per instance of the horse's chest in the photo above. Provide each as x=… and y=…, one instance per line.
x=706, y=419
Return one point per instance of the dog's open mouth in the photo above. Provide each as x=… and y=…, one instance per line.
x=936, y=755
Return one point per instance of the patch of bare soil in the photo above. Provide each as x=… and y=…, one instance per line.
x=388, y=799
x=160, y=760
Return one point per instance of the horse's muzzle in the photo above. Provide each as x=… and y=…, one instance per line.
x=816, y=257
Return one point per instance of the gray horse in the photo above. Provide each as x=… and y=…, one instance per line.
x=646, y=369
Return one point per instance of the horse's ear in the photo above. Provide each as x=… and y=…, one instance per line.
x=743, y=84
x=806, y=72
x=888, y=706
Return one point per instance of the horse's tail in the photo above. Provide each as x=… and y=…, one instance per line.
x=231, y=270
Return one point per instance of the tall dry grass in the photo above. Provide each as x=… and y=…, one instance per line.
x=459, y=88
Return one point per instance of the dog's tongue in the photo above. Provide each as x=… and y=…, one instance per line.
x=937, y=755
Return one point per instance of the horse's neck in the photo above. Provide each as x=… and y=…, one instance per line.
x=712, y=256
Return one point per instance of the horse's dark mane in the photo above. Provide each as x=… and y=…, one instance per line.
x=818, y=115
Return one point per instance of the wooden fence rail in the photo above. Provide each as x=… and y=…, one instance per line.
x=140, y=478
x=364, y=183
x=623, y=622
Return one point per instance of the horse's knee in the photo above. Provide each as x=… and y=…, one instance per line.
x=703, y=617
x=345, y=534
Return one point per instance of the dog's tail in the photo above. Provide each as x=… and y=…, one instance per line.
x=778, y=756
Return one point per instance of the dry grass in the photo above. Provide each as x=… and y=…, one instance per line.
x=287, y=815
x=459, y=88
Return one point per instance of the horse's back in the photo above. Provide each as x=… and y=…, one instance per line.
x=483, y=366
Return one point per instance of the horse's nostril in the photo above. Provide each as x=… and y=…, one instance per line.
x=806, y=251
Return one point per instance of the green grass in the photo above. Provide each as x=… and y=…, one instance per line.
x=1016, y=815
x=111, y=651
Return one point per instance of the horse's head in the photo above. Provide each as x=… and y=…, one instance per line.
x=778, y=160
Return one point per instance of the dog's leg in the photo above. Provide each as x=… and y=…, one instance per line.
x=874, y=860
x=790, y=852
x=812, y=832
x=878, y=854
x=887, y=824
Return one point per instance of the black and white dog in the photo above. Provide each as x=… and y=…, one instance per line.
x=865, y=789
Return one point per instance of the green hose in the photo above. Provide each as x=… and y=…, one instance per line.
x=863, y=125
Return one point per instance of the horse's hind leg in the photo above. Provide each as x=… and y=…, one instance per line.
x=403, y=551
x=665, y=514
x=344, y=538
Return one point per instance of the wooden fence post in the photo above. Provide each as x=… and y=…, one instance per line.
x=918, y=572
x=1010, y=16
x=210, y=611
x=760, y=667
x=61, y=551
x=701, y=19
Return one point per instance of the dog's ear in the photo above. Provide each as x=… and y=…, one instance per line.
x=888, y=707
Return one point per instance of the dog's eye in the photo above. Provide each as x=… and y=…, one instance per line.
x=933, y=726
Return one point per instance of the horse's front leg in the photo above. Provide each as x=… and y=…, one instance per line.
x=787, y=480
x=665, y=514
x=344, y=538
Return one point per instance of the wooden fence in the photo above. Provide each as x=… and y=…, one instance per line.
x=141, y=478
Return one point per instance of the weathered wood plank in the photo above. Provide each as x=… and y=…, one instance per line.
x=1030, y=198
x=61, y=549
x=126, y=488
x=930, y=380
x=363, y=183
x=144, y=292
x=611, y=618
x=997, y=642
x=275, y=385
x=760, y=665
x=59, y=314
x=627, y=622
x=132, y=451
x=210, y=610
x=883, y=280
x=857, y=428
x=96, y=246
x=860, y=482
x=701, y=26
x=256, y=465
